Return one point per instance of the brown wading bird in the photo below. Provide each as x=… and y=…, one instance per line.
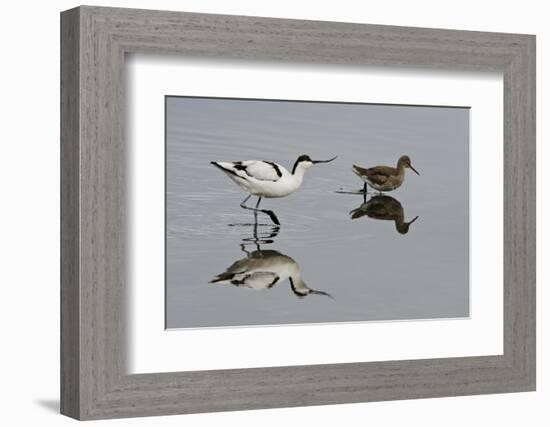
x=385, y=208
x=384, y=178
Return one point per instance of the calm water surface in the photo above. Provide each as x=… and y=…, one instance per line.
x=361, y=259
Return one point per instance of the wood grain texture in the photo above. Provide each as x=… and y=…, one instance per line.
x=94, y=272
x=70, y=221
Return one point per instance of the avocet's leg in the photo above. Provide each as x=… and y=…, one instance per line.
x=256, y=215
x=243, y=248
x=265, y=211
x=271, y=215
x=255, y=229
x=245, y=200
x=256, y=223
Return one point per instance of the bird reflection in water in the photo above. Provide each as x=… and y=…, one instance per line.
x=264, y=268
x=385, y=208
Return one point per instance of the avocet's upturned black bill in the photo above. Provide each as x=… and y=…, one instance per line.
x=263, y=178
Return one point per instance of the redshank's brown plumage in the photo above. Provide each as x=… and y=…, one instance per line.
x=384, y=178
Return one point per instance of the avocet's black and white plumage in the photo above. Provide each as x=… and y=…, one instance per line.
x=263, y=269
x=263, y=178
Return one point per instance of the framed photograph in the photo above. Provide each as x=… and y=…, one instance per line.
x=262, y=213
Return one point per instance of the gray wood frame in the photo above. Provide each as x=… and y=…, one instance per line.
x=94, y=41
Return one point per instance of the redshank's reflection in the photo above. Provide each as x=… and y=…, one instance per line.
x=384, y=207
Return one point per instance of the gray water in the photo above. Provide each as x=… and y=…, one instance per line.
x=371, y=271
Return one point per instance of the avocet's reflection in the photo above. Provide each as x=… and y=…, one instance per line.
x=384, y=207
x=262, y=269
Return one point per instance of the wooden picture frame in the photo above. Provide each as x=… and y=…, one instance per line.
x=94, y=382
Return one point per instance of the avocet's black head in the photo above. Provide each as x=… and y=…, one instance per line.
x=305, y=161
x=300, y=289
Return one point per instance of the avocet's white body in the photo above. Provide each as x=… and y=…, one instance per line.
x=267, y=179
x=264, y=179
